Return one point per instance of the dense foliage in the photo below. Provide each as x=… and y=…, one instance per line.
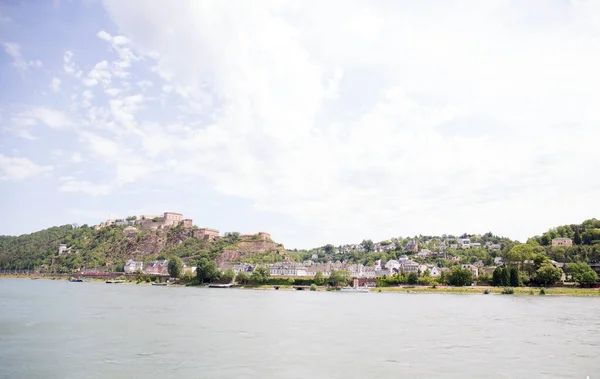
x=175, y=267
x=108, y=249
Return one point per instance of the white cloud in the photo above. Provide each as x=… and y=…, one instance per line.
x=14, y=50
x=69, y=66
x=104, y=35
x=144, y=84
x=99, y=74
x=76, y=157
x=87, y=96
x=48, y=116
x=21, y=127
x=71, y=185
x=16, y=169
x=357, y=121
x=55, y=84
x=377, y=119
x=112, y=92
x=101, y=147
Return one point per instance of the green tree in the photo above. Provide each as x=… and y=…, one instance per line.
x=188, y=277
x=207, y=271
x=577, y=237
x=261, y=275
x=367, y=245
x=497, y=277
x=505, y=276
x=413, y=278
x=519, y=253
x=548, y=275
x=582, y=273
x=591, y=236
x=588, y=278
x=328, y=249
x=460, y=277
x=319, y=279
x=514, y=277
x=175, y=267
x=339, y=278
x=539, y=259
x=242, y=277
x=228, y=276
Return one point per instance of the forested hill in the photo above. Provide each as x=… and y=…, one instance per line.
x=110, y=247
x=585, y=236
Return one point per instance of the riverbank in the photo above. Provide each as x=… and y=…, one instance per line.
x=562, y=291
x=473, y=290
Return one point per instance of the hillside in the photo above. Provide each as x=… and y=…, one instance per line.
x=485, y=247
x=110, y=247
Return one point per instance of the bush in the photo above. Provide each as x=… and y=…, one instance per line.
x=486, y=291
x=460, y=277
x=242, y=278
x=542, y=291
x=508, y=291
x=313, y=287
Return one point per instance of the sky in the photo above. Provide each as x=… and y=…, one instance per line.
x=319, y=122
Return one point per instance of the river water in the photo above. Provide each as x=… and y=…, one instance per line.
x=57, y=329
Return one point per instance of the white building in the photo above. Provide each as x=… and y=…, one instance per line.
x=409, y=266
x=434, y=271
x=288, y=269
x=132, y=266
x=243, y=267
x=464, y=243
x=62, y=249
x=473, y=269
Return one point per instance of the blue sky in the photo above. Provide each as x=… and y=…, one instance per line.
x=354, y=121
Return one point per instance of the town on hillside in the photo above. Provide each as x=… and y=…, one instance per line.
x=144, y=244
x=428, y=264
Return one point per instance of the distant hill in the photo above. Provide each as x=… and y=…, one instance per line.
x=110, y=247
x=586, y=233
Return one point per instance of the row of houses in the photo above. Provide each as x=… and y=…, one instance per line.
x=413, y=246
x=309, y=268
x=156, y=267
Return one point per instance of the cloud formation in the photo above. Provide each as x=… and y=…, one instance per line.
x=14, y=50
x=357, y=121
x=17, y=169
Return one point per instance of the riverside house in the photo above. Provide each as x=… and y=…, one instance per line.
x=132, y=266
x=157, y=267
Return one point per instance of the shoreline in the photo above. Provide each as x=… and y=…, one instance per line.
x=473, y=290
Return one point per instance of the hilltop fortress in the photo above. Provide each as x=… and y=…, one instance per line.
x=169, y=220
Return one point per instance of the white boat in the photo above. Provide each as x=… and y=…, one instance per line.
x=220, y=285
x=355, y=289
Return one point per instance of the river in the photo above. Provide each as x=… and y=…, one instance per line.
x=57, y=329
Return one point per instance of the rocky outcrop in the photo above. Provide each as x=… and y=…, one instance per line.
x=245, y=249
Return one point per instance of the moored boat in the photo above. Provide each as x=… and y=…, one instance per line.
x=355, y=289
x=160, y=284
x=75, y=280
x=220, y=285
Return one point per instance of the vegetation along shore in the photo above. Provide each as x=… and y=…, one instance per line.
x=169, y=248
